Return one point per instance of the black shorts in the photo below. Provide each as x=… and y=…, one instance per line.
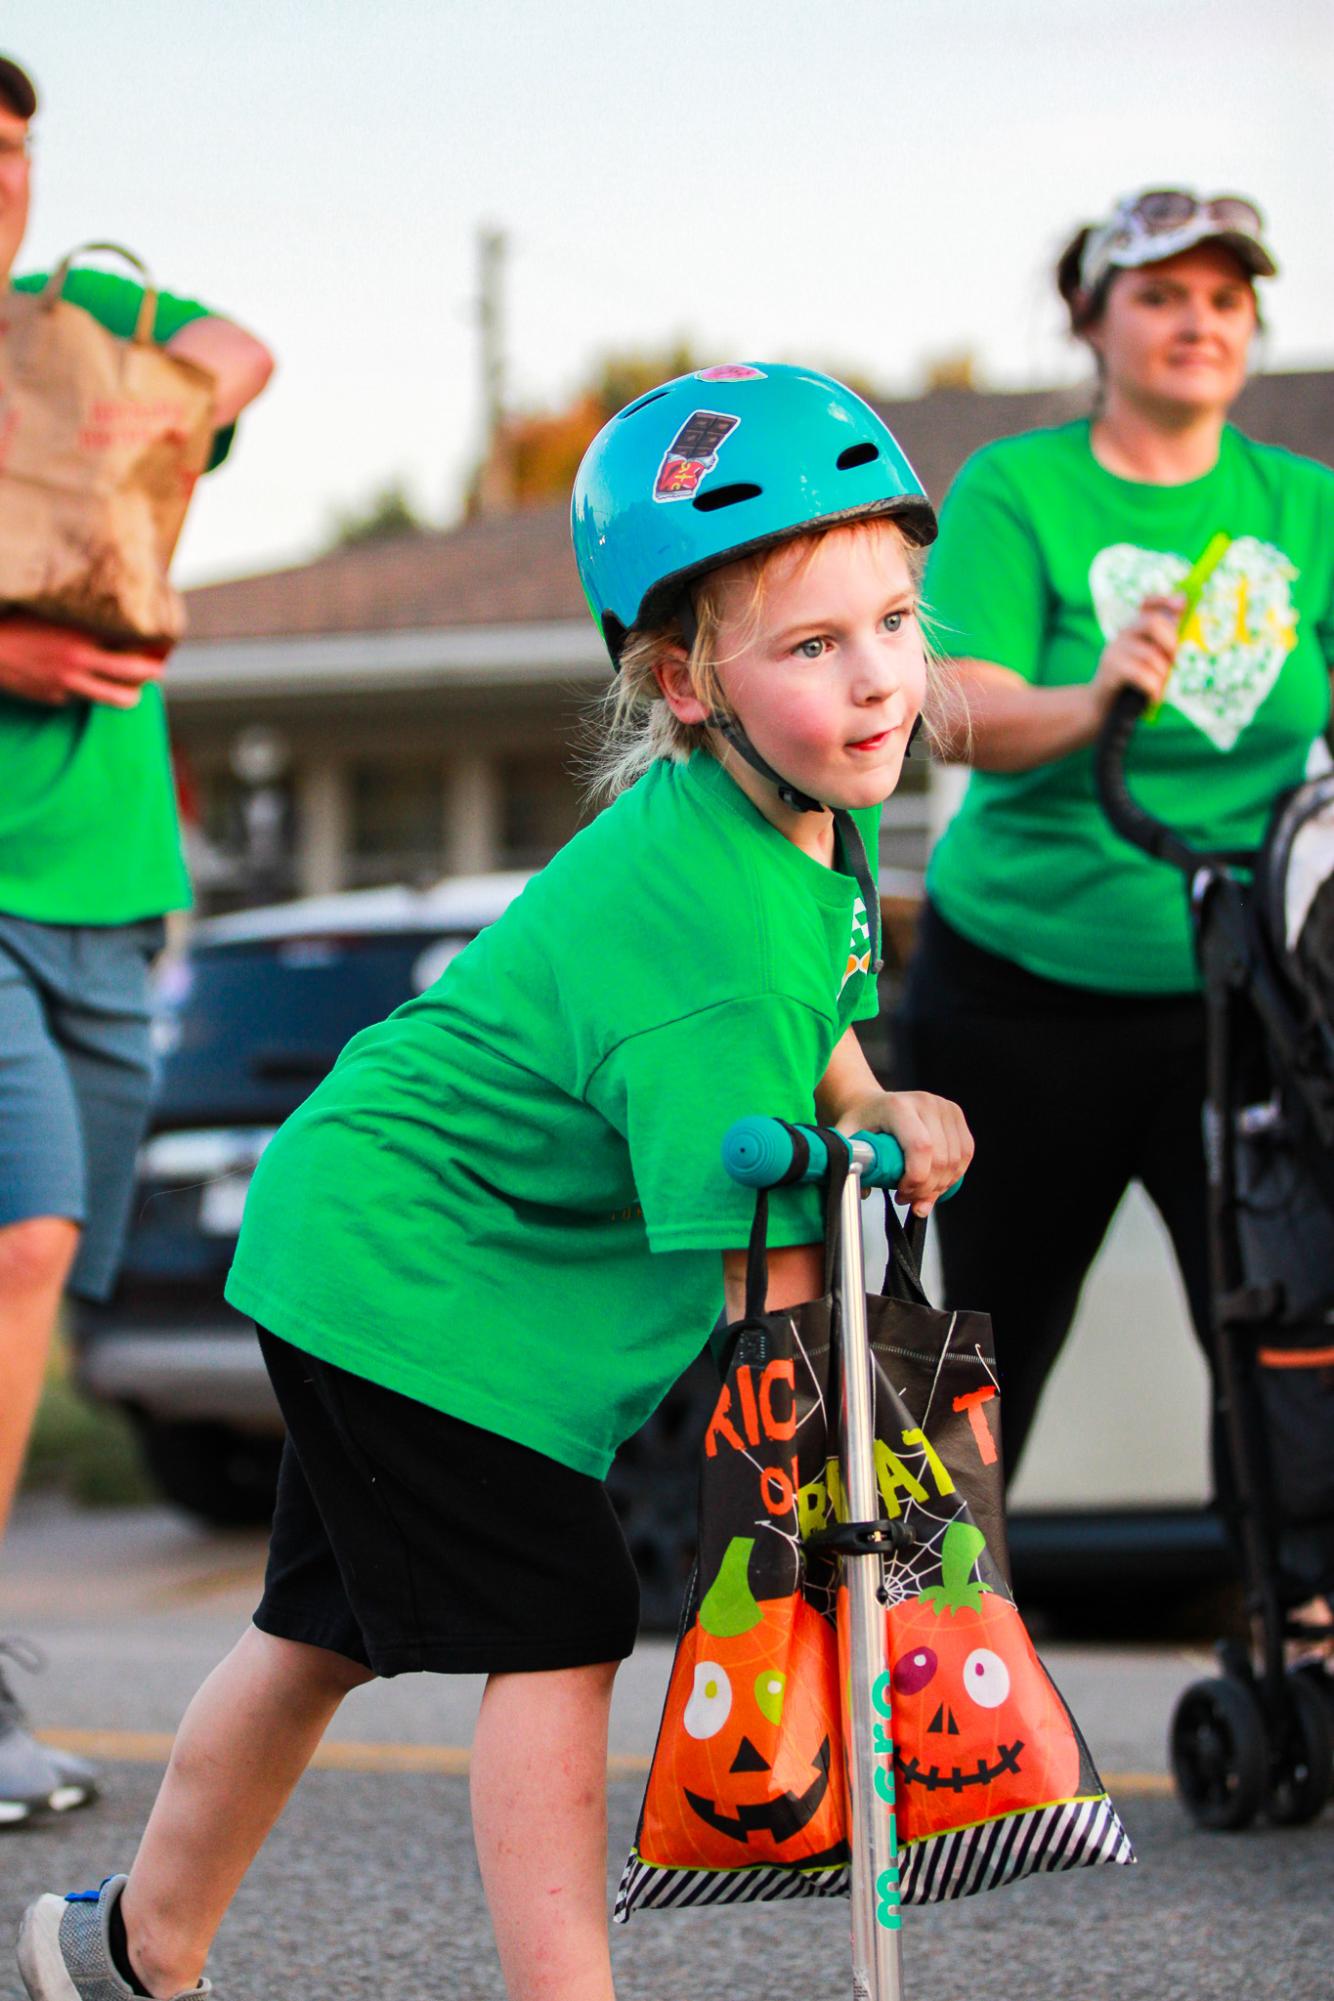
x=408, y=1540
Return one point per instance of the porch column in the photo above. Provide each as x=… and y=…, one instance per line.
x=321, y=826
x=945, y=787
x=472, y=823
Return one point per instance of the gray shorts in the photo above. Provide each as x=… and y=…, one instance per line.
x=76, y=1078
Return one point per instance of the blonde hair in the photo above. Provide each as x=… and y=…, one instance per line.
x=632, y=726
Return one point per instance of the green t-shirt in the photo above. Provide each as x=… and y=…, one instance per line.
x=88, y=831
x=1043, y=556
x=507, y=1200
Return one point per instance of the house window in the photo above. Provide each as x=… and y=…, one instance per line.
x=396, y=822
x=540, y=808
x=238, y=839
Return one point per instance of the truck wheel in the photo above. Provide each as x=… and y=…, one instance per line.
x=227, y=1478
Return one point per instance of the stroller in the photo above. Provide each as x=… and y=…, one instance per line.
x=1259, y=1736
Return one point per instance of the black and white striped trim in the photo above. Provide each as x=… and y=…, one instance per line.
x=646, y=1886
x=1077, y=1834
x=1074, y=1835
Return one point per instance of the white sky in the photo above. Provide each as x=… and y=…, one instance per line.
x=869, y=182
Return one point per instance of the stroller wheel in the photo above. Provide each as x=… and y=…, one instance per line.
x=1323, y=1683
x=1218, y=1753
x=1300, y=1765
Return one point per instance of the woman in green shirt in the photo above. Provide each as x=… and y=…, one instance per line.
x=1054, y=990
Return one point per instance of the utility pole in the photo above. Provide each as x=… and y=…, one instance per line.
x=494, y=493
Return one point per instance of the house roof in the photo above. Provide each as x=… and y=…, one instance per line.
x=938, y=431
x=500, y=570
x=516, y=569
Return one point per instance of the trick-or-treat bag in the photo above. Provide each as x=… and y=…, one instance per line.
x=101, y=442
x=747, y=1797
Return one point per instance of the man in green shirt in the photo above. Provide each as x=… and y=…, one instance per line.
x=89, y=862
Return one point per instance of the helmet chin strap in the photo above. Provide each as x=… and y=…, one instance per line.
x=796, y=801
x=848, y=833
x=730, y=728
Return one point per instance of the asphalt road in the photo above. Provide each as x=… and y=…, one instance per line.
x=368, y=1888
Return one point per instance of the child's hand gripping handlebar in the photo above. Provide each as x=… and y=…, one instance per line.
x=763, y=1153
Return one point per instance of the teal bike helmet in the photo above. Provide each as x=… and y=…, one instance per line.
x=717, y=465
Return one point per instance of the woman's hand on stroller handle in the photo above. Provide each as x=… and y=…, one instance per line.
x=1141, y=655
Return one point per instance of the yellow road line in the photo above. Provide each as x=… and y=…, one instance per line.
x=153, y=1747
x=247, y=1576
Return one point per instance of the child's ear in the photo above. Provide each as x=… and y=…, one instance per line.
x=671, y=671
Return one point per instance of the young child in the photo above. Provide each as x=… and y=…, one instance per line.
x=488, y=1243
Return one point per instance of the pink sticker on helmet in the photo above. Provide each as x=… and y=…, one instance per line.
x=730, y=371
x=692, y=454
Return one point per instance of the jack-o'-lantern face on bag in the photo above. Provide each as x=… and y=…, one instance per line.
x=749, y=1768
x=978, y=1727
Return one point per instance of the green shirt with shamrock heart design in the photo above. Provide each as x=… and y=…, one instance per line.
x=1043, y=556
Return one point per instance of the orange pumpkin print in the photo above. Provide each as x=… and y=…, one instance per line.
x=978, y=1728
x=748, y=1767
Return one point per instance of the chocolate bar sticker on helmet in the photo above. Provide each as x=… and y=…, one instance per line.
x=692, y=454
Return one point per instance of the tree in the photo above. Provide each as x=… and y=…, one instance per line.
x=537, y=452
x=387, y=513
x=958, y=370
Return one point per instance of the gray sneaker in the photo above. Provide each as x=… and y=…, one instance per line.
x=35, y=1781
x=64, y=1953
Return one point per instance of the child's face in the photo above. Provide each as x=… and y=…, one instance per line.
x=828, y=680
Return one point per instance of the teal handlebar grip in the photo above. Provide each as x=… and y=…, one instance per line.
x=758, y=1153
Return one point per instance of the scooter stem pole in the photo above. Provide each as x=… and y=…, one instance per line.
x=877, y=1960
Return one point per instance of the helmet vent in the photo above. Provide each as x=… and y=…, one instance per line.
x=857, y=455
x=643, y=402
x=725, y=496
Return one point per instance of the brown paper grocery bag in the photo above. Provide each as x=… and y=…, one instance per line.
x=101, y=442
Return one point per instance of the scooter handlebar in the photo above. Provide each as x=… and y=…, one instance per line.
x=760, y=1153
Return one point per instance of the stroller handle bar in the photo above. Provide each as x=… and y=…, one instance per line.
x=1126, y=815
x=762, y=1153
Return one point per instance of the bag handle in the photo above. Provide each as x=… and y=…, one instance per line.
x=903, y=1268
x=55, y=285
x=757, y=1251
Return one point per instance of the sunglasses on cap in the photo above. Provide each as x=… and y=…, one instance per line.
x=1147, y=227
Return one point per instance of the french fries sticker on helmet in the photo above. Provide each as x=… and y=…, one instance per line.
x=692, y=454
